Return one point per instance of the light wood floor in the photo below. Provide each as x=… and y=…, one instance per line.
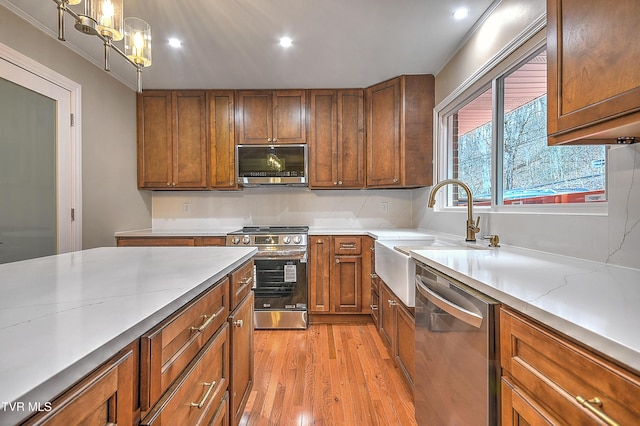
x=338, y=374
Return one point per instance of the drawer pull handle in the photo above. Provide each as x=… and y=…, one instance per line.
x=592, y=404
x=247, y=280
x=205, y=324
x=374, y=307
x=206, y=395
x=348, y=245
x=238, y=323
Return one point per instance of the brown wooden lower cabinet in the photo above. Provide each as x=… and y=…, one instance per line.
x=549, y=379
x=340, y=277
x=397, y=327
x=104, y=397
x=193, y=399
x=194, y=368
x=170, y=241
x=241, y=358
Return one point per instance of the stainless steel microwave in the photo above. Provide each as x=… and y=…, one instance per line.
x=258, y=165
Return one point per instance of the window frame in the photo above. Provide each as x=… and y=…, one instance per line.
x=443, y=161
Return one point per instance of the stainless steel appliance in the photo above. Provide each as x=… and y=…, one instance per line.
x=457, y=370
x=258, y=165
x=280, y=272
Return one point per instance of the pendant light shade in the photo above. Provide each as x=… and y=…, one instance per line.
x=108, y=17
x=137, y=41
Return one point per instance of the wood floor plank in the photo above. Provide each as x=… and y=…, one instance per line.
x=329, y=374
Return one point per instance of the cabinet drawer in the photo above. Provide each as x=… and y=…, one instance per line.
x=154, y=241
x=556, y=371
x=195, y=397
x=347, y=245
x=169, y=347
x=240, y=284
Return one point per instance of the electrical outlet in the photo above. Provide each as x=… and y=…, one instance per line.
x=186, y=207
x=384, y=207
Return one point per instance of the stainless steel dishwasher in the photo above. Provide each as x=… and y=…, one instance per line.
x=457, y=368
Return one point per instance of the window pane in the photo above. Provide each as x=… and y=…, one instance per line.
x=535, y=173
x=471, y=150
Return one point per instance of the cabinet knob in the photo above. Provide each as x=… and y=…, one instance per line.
x=168, y=183
x=268, y=139
x=319, y=242
x=395, y=180
x=337, y=260
x=374, y=276
x=339, y=182
x=238, y=323
x=335, y=183
x=275, y=139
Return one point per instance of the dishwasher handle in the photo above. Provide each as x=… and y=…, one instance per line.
x=464, y=315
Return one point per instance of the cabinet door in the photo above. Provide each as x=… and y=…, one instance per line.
x=347, y=284
x=254, y=117
x=383, y=135
x=350, y=146
x=189, y=140
x=241, y=357
x=386, y=312
x=517, y=409
x=103, y=398
x=221, y=116
x=593, y=79
x=368, y=273
x=404, y=350
x=289, y=117
x=155, y=146
x=323, y=142
x=319, y=273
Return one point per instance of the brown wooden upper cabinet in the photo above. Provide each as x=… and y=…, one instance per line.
x=172, y=150
x=400, y=132
x=221, y=128
x=271, y=117
x=593, y=79
x=336, y=139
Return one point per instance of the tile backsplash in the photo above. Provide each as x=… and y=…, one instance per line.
x=282, y=206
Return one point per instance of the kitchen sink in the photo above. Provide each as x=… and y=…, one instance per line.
x=395, y=266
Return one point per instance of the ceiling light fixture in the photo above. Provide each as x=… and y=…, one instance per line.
x=285, y=42
x=104, y=19
x=174, y=42
x=461, y=13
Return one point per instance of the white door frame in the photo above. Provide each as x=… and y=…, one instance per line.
x=28, y=73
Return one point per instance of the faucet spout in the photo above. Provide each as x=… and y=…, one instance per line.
x=472, y=227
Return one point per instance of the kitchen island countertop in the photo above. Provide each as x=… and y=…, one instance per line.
x=62, y=316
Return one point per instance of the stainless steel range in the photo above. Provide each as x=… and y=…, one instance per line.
x=280, y=284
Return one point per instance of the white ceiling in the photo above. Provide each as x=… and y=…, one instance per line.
x=233, y=44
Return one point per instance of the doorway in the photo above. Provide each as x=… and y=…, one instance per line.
x=40, y=176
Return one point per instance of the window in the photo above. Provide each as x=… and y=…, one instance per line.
x=497, y=144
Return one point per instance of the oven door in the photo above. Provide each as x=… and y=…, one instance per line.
x=280, y=284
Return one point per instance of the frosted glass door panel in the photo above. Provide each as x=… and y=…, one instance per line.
x=27, y=174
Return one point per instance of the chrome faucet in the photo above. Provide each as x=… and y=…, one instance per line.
x=472, y=227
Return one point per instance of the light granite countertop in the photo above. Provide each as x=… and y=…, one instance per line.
x=62, y=316
x=595, y=303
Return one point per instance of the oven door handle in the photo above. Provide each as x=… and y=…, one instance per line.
x=448, y=306
x=302, y=256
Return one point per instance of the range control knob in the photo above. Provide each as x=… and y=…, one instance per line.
x=235, y=240
x=246, y=239
x=297, y=239
x=286, y=239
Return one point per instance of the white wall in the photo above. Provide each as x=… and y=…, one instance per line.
x=111, y=201
x=612, y=237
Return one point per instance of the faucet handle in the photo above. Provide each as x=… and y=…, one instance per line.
x=494, y=240
x=474, y=227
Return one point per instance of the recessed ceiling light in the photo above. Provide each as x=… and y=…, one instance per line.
x=174, y=42
x=461, y=13
x=285, y=42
